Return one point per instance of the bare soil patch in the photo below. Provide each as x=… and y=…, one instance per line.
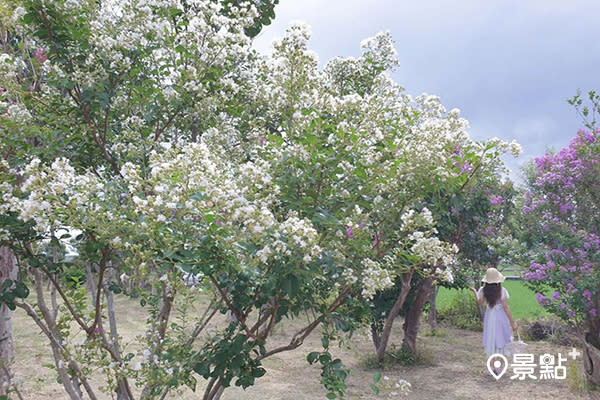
x=456, y=370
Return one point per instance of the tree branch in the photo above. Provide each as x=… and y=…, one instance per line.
x=302, y=334
x=240, y=318
x=66, y=301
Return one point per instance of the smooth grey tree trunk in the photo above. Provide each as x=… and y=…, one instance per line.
x=432, y=318
x=8, y=270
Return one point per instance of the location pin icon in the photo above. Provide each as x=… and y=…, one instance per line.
x=497, y=362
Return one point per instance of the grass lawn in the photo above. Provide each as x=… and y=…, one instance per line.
x=522, y=300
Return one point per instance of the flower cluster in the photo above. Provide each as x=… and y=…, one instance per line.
x=374, y=278
x=574, y=275
x=55, y=195
x=562, y=200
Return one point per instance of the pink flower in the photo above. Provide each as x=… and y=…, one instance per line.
x=466, y=168
x=556, y=296
x=541, y=299
x=349, y=233
x=495, y=200
x=40, y=55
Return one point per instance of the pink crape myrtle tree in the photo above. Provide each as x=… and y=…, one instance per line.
x=563, y=199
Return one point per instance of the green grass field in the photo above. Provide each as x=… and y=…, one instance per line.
x=522, y=300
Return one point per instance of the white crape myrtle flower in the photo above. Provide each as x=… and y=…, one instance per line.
x=445, y=274
x=18, y=12
x=380, y=50
x=374, y=278
x=515, y=148
x=8, y=67
x=431, y=250
x=411, y=220
x=427, y=216
x=56, y=195
x=17, y=113
x=349, y=276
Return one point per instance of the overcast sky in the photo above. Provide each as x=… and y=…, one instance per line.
x=509, y=66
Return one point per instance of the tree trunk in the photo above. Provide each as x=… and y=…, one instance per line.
x=591, y=361
x=413, y=317
x=214, y=390
x=432, y=318
x=375, y=336
x=389, y=321
x=121, y=389
x=8, y=270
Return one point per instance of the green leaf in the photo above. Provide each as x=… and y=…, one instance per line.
x=202, y=368
x=375, y=389
x=377, y=377
x=290, y=285
x=325, y=358
x=312, y=357
x=331, y=395
x=21, y=290
x=360, y=172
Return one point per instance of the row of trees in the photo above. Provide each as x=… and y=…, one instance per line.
x=151, y=138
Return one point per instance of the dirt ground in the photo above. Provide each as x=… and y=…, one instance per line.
x=458, y=372
x=455, y=369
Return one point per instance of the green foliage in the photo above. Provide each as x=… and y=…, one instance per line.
x=333, y=373
x=11, y=290
x=384, y=300
x=229, y=356
x=265, y=9
x=587, y=107
x=74, y=276
x=399, y=355
x=461, y=312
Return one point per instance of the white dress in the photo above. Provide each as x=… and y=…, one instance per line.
x=497, y=332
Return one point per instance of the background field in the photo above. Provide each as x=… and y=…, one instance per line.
x=522, y=300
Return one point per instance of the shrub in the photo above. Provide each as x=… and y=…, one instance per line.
x=462, y=312
x=550, y=329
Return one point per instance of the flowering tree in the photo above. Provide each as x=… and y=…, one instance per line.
x=365, y=162
x=562, y=210
x=474, y=217
x=108, y=101
x=150, y=137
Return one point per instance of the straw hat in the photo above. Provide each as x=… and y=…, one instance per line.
x=492, y=275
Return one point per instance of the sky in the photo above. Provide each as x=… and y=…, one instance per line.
x=509, y=66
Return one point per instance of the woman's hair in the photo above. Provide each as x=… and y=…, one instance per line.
x=492, y=293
